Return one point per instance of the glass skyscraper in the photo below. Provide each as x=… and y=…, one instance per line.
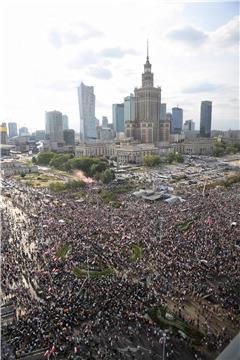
x=206, y=119
x=86, y=101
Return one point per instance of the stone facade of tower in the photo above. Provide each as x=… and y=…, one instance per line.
x=146, y=126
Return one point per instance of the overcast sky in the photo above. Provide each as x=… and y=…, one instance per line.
x=49, y=47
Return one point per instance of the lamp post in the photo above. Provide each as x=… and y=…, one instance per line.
x=163, y=341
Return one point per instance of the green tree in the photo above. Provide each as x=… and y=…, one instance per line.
x=151, y=160
x=45, y=157
x=107, y=176
x=59, y=161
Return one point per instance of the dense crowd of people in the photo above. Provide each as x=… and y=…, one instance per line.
x=188, y=251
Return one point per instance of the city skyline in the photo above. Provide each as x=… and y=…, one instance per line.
x=195, y=58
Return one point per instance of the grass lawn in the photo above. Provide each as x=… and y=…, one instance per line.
x=63, y=251
x=79, y=272
x=137, y=252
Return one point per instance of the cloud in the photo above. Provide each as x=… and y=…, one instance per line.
x=83, y=59
x=100, y=73
x=83, y=31
x=90, y=57
x=57, y=85
x=202, y=88
x=116, y=52
x=188, y=35
x=228, y=34
x=55, y=39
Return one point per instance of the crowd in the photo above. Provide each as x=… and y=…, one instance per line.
x=108, y=317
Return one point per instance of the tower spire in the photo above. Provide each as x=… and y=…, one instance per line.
x=147, y=51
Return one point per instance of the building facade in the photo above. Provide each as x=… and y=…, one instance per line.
x=163, y=112
x=189, y=125
x=69, y=136
x=177, y=120
x=118, y=118
x=104, y=122
x=206, y=119
x=54, y=126
x=147, y=108
x=3, y=133
x=95, y=149
x=23, y=131
x=12, y=129
x=86, y=101
x=65, y=122
x=129, y=108
x=198, y=146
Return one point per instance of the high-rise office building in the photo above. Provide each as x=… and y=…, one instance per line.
x=189, y=125
x=12, y=129
x=86, y=100
x=206, y=119
x=118, y=117
x=69, y=136
x=104, y=122
x=3, y=133
x=129, y=108
x=177, y=120
x=54, y=126
x=23, y=131
x=146, y=125
x=65, y=122
x=40, y=135
x=163, y=112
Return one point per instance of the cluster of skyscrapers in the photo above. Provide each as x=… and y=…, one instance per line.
x=141, y=117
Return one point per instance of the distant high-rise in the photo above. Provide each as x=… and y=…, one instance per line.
x=118, y=117
x=3, y=133
x=54, y=126
x=69, y=136
x=177, y=120
x=23, y=131
x=104, y=122
x=86, y=100
x=12, y=129
x=65, y=122
x=40, y=135
x=206, y=119
x=189, y=125
x=129, y=108
x=163, y=112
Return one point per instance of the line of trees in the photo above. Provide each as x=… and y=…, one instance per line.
x=221, y=148
x=97, y=168
x=156, y=160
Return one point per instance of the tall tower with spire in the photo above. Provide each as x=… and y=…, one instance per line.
x=146, y=126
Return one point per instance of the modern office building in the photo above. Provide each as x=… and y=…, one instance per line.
x=169, y=118
x=86, y=101
x=177, y=120
x=65, y=122
x=163, y=112
x=129, y=108
x=54, y=126
x=118, y=118
x=23, y=131
x=40, y=135
x=206, y=119
x=12, y=129
x=104, y=122
x=189, y=125
x=69, y=136
x=3, y=133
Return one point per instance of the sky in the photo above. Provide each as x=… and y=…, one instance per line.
x=50, y=46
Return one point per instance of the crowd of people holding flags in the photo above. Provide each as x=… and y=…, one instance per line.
x=188, y=250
